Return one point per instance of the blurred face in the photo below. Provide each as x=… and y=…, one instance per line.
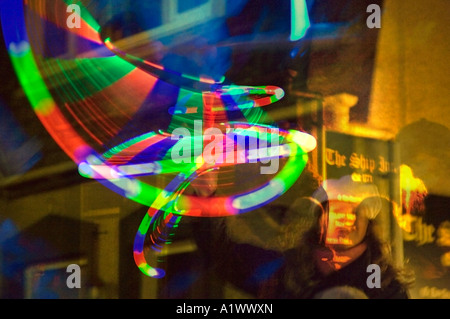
x=206, y=184
x=347, y=225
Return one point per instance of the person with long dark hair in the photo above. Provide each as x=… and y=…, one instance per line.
x=344, y=246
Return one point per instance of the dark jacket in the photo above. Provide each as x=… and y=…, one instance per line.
x=261, y=272
x=355, y=275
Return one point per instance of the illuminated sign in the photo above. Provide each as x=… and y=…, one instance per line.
x=366, y=160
